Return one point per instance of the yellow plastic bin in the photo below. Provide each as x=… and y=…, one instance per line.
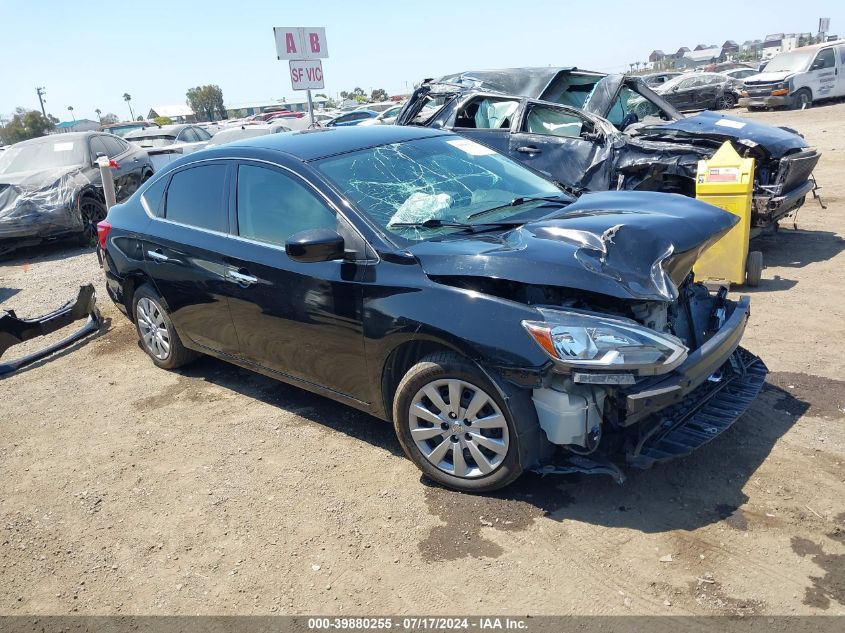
x=727, y=181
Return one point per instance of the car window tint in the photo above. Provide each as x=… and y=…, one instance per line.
x=554, y=122
x=113, y=146
x=153, y=196
x=98, y=147
x=824, y=59
x=186, y=136
x=196, y=197
x=273, y=206
x=202, y=135
x=486, y=113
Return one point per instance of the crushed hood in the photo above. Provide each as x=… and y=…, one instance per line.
x=36, y=178
x=629, y=245
x=775, y=141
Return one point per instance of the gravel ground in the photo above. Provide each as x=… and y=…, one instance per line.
x=131, y=490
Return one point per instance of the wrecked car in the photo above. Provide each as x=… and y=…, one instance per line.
x=165, y=143
x=700, y=91
x=594, y=132
x=414, y=274
x=50, y=187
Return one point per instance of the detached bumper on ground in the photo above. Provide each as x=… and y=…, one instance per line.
x=14, y=330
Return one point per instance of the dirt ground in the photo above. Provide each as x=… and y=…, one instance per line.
x=125, y=489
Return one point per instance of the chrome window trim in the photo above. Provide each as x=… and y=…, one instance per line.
x=308, y=185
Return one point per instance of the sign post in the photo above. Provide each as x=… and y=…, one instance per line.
x=304, y=47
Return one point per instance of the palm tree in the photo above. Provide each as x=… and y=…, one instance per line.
x=70, y=108
x=99, y=113
x=127, y=98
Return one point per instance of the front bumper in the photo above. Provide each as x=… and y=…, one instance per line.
x=14, y=330
x=642, y=401
x=780, y=101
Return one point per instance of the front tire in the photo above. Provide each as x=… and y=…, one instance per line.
x=158, y=337
x=802, y=99
x=453, y=423
x=725, y=102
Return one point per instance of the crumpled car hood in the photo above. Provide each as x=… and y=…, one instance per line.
x=775, y=141
x=40, y=202
x=629, y=245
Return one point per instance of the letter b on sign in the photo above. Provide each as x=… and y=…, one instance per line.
x=314, y=39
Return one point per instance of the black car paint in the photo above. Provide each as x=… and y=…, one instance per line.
x=337, y=327
x=39, y=205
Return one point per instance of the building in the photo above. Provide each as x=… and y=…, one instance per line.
x=80, y=125
x=248, y=108
x=656, y=56
x=702, y=57
x=730, y=48
x=176, y=113
x=777, y=43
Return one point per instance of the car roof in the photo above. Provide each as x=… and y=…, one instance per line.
x=55, y=138
x=155, y=130
x=307, y=145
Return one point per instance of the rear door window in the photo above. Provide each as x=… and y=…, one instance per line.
x=197, y=197
x=553, y=122
x=272, y=206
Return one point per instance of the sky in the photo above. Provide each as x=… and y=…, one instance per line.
x=87, y=54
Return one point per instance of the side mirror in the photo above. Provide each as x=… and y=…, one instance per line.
x=674, y=88
x=315, y=245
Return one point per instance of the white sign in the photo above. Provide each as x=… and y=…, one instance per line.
x=306, y=74
x=300, y=42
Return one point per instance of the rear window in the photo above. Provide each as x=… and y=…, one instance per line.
x=196, y=197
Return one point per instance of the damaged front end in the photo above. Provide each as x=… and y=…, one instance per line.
x=15, y=330
x=38, y=206
x=645, y=364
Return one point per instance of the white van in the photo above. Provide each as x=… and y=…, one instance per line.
x=798, y=77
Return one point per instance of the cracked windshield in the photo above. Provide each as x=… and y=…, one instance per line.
x=436, y=181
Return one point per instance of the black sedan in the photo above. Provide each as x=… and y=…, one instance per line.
x=50, y=187
x=701, y=91
x=424, y=278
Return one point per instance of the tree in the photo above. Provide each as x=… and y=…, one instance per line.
x=25, y=124
x=111, y=117
x=358, y=92
x=99, y=114
x=127, y=98
x=379, y=94
x=162, y=120
x=70, y=109
x=206, y=101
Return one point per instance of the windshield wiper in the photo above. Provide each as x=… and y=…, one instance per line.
x=436, y=223
x=519, y=201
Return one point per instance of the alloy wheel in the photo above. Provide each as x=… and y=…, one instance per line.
x=151, y=324
x=459, y=428
x=92, y=213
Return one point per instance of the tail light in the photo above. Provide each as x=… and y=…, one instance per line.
x=103, y=229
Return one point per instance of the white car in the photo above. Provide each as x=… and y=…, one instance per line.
x=388, y=117
x=231, y=134
x=798, y=78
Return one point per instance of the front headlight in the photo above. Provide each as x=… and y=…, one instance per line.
x=780, y=89
x=585, y=340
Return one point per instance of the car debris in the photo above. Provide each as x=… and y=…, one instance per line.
x=15, y=330
x=596, y=132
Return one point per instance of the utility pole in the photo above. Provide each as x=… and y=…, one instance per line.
x=41, y=92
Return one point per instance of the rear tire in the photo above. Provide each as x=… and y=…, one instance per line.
x=725, y=102
x=156, y=333
x=482, y=442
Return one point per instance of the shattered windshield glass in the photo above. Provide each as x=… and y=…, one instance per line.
x=444, y=179
x=42, y=155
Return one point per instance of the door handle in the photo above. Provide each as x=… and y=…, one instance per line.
x=529, y=149
x=158, y=256
x=241, y=278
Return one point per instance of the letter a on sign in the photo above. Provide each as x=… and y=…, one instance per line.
x=300, y=42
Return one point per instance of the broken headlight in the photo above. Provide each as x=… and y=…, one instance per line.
x=586, y=340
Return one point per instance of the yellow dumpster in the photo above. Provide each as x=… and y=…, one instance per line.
x=727, y=181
